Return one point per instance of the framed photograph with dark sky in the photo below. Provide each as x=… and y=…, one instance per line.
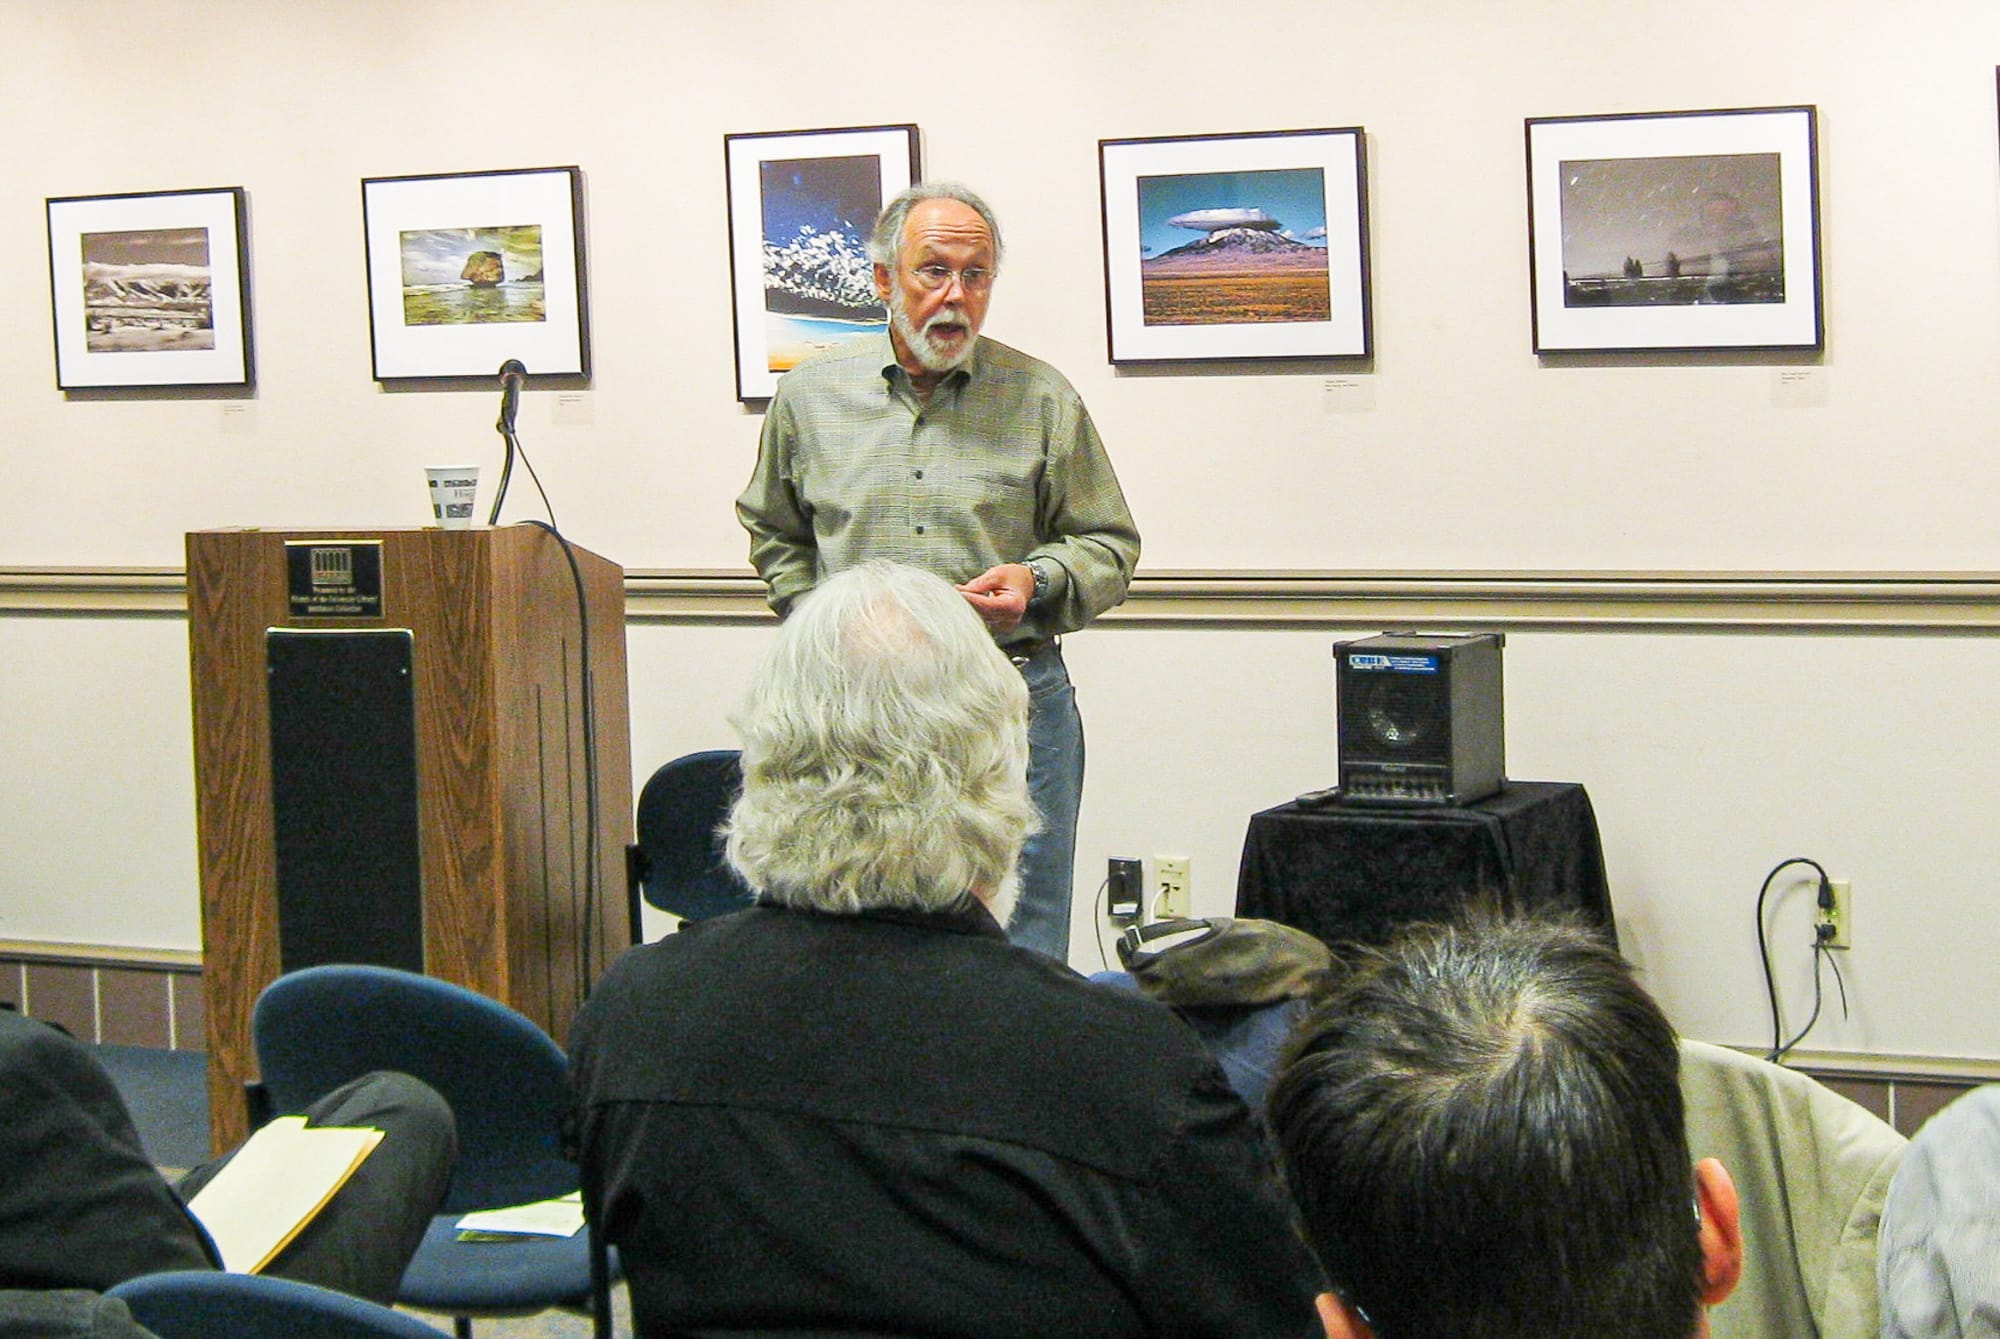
x=802, y=204
x=1675, y=231
x=469, y=269
x=1247, y=246
x=150, y=289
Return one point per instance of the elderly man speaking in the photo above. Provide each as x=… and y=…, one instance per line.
x=855, y=1108
x=936, y=446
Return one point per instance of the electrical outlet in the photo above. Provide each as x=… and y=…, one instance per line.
x=1833, y=927
x=1170, y=879
x=1126, y=895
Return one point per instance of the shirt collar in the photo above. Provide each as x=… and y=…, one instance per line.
x=893, y=373
x=967, y=918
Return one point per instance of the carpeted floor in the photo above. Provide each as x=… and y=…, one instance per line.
x=167, y=1092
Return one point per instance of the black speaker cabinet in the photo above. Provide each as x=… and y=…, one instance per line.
x=1420, y=719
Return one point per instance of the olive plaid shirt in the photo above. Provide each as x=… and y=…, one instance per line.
x=1002, y=465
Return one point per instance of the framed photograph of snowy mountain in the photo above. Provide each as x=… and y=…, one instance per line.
x=1226, y=247
x=802, y=204
x=469, y=269
x=150, y=289
x=1674, y=231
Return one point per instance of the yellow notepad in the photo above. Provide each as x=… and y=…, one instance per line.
x=274, y=1185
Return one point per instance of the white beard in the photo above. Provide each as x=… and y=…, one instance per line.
x=922, y=346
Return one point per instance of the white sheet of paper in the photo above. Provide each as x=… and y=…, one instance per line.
x=544, y=1218
x=274, y=1185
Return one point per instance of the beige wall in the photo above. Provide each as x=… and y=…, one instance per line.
x=1710, y=755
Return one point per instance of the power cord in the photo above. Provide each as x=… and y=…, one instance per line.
x=1822, y=956
x=1101, y=902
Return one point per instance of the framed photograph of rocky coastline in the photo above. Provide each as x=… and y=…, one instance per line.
x=802, y=204
x=150, y=289
x=1243, y=246
x=1674, y=231
x=470, y=269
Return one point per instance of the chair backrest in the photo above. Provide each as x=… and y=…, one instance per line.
x=1811, y=1170
x=679, y=864
x=505, y=1079
x=208, y=1304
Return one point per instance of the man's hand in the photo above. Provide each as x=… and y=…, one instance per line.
x=1000, y=595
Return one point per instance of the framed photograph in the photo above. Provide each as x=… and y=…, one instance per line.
x=470, y=269
x=150, y=289
x=802, y=204
x=1236, y=246
x=1675, y=230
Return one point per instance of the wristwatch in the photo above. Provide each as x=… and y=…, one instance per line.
x=1040, y=572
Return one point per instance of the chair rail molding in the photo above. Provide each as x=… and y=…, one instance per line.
x=1924, y=602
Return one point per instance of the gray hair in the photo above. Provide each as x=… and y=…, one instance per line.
x=885, y=248
x=885, y=752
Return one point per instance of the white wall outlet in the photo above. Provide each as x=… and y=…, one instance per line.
x=1170, y=886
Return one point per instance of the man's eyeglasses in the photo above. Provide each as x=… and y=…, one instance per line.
x=934, y=277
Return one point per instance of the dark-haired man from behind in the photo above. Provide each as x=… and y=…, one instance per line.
x=1483, y=1127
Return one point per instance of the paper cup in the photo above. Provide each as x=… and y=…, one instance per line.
x=452, y=490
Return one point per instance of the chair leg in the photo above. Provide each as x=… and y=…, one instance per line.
x=461, y=1326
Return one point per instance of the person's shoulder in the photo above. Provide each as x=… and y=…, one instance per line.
x=29, y=1040
x=848, y=360
x=1115, y=1019
x=1004, y=362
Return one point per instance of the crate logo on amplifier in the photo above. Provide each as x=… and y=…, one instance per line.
x=1397, y=664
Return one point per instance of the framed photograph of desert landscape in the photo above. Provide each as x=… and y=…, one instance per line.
x=469, y=269
x=1236, y=246
x=150, y=289
x=802, y=204
x=1675, y=231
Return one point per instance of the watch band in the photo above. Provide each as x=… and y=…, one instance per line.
x=1040, y=573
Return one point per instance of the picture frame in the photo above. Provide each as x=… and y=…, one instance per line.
x=1675, y=231
x=1249, y=246
x=802, y=205
x=469, y=269
x=150, y=289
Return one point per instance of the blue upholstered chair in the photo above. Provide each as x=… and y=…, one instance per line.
x=677, y=864
x=506, y=1081
x=208, y=1304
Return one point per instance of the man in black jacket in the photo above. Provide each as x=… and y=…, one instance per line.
x=856, y=1108
x=82, y=1207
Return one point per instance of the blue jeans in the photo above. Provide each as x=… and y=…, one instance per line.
x=1055, y=783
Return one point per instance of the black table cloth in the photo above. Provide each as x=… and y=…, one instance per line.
x=1354, y=872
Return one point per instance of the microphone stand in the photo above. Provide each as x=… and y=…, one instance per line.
x=511, y=374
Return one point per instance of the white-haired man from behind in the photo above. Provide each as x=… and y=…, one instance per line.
x=855, y=1108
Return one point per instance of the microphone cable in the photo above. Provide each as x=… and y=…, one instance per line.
x=587, y=686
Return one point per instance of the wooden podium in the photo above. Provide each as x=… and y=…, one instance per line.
x=499, y=709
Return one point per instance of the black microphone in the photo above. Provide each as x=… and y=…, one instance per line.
x=512, y=373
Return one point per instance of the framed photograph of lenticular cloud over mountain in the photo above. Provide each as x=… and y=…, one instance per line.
x=150, y=289
x=802, y=204
x=1236, y=246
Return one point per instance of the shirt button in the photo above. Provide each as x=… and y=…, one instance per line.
x=920, y=474
x=920, y=529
